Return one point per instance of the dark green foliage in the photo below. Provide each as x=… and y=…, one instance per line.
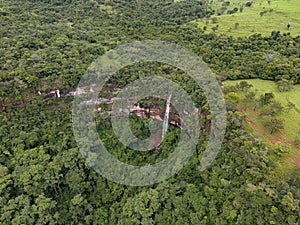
x=48, y=45
x=266, y=99
x=284, y=85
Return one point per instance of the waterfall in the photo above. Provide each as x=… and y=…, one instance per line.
x=166, y=118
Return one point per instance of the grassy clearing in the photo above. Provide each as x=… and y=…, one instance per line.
x=276, y=17
x=291, y=118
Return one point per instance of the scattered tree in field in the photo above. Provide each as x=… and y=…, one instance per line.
x=244, y=86
x=290, y=106
x=214, y=20
x=248, y=4
x=236, y=25
x=284, y=85
x=214, y=28
x=272, y=109
x=273, y=124
x=230, y=11
x=227, y=3
x=266, y=99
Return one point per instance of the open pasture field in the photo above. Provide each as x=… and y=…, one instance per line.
x=237, y=19
x=291, y=118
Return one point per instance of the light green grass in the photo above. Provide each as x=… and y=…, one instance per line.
x=250, y=21
x=292, y=118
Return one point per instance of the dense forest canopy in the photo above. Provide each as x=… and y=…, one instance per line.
x=48, y=45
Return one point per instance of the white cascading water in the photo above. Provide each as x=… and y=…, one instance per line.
x=166, y=118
